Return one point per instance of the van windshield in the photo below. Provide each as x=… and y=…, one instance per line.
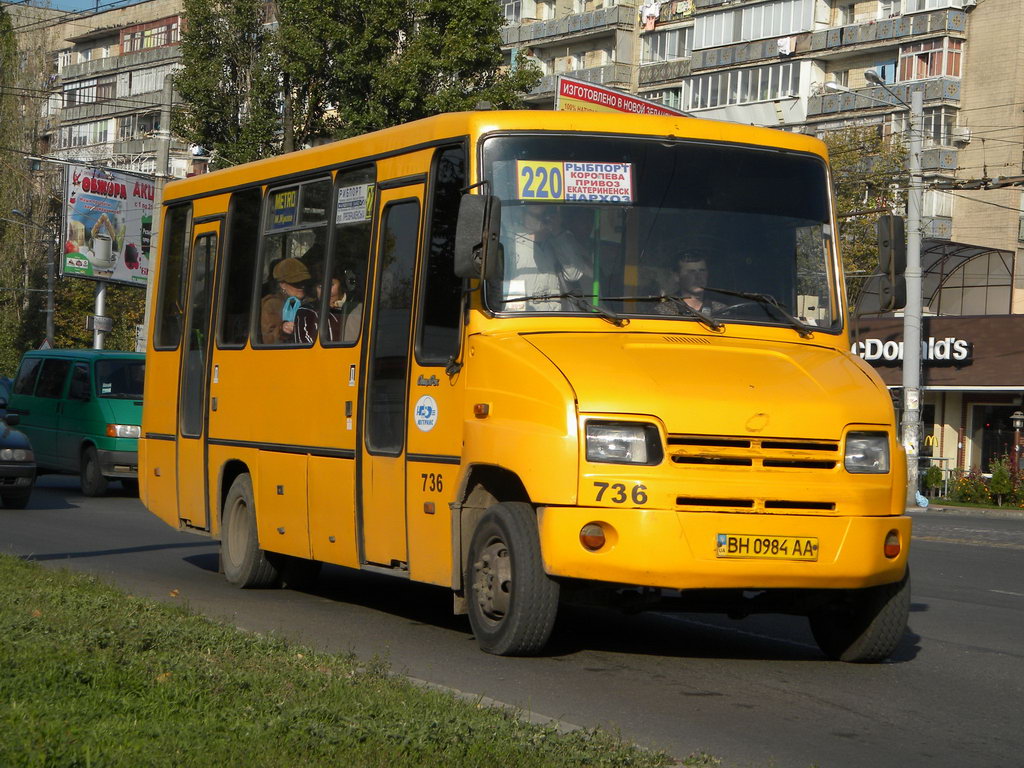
x=660, y=228
x=120, y=378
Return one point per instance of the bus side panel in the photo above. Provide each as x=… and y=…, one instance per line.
x=158, y=478
x=429, y=489
x=332, y=514
x=281, y=520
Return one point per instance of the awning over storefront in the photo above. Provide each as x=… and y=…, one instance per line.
x=939, y=259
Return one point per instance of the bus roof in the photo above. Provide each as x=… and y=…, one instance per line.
x=455, y=125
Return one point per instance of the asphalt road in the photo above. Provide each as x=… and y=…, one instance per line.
x=754, y=692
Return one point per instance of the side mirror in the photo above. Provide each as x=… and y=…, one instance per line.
x=12, y=419
x=892, y=263
x=476, y=238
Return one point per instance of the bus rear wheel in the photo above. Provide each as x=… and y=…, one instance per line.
x=865, y=625
x=512, y=603
x=245, y=564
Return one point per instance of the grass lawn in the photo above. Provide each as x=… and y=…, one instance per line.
x=90, y=676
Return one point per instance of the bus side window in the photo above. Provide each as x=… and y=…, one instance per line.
x=294, y=244
x=437, y=329
x=345, y=269
x=173, y=268
x=239, y=271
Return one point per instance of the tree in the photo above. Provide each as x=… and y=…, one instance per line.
x=335, y=68
x=229, y=80
x=868, y=175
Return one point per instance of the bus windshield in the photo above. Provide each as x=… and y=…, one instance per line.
x=666, y=228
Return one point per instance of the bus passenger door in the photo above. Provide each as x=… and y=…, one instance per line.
x=382, y=518
x=193, y=383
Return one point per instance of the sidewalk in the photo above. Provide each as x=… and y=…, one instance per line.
x=949, y=509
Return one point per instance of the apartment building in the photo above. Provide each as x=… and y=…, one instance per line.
x=106, y=90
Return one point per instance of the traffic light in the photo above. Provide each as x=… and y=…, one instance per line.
x=892, y=263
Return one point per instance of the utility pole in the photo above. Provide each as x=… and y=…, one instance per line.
x=163, y=161
x=911, y=423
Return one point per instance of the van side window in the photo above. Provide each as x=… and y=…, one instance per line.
x=78, y=389
x=174, y=266
x=438, y=331
x=25, y=384
x=294, y=246
x=52, y=378
x=346, y=268
x=239, y=271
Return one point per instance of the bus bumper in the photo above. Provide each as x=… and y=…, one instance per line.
x=681, y=550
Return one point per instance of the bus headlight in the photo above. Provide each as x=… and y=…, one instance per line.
x=123, y=430
x=867, y=453
x=623, y=443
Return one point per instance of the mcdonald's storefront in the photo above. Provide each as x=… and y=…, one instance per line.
x=972, y=380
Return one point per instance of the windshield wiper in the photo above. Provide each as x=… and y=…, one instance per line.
x=578, y=300
x=680, y=304
x=765, y=299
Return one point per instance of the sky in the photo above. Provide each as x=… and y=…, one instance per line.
x=81, y=5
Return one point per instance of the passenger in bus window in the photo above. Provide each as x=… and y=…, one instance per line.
x=270, y=308
x=555, y=260
x=344, y=310
x=300, y=320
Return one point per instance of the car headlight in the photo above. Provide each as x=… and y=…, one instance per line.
x=16, y=454
x=867, y=453
x=123, y=430
x=623, y=443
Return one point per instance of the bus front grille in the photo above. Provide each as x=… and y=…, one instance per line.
x=753, y=452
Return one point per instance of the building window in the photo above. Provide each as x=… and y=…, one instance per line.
x=979, y=286
x=668, y=45
x=938, y=125
x=753, y=22
x=843, y=15
x=513, y=11
x=154, y=34
x=932, y=58
x=912, y=6
x=888, y=9
x=64, y=59
x=667, y=97
x=743, y=86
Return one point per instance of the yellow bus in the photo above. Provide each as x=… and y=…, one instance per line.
x=530, y=357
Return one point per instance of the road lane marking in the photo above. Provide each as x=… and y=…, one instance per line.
x=1004, y=592
x=969, y=542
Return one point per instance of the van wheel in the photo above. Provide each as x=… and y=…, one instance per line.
x=93, y=481
x=512, y=603
x=245, y=564
x=864, y=625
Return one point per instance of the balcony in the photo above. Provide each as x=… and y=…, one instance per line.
x=575, y=25
x=875, y=97
x=120, y=105
x=664, y=71
x=615, y=75
x=111, y=64
x=823, y=43
x=146, y=146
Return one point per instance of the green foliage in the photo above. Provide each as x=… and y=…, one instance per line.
x=999, y=483
x=969, y=488
x=94, y=677
x=868, y=174
x=933, y=478
x=335, y=68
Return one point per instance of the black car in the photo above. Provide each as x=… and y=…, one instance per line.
x=17, y=462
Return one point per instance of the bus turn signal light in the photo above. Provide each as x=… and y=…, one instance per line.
x=592, y=537
x=892, y=544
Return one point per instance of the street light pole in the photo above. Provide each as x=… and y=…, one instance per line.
x=910, y=424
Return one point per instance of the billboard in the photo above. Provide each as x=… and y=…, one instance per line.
x=580, y=96
x=108, y=222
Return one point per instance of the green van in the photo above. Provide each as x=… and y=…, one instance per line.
x=82, y=408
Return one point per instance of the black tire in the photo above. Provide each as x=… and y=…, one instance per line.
x=512, y=603
x=16, y=499
x=245, y=564
x=93, y=481
x=130, y=485
x=864, y=625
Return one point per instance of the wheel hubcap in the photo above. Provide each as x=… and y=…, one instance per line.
x=492, y=582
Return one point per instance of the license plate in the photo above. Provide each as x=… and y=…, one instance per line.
x=740, y=545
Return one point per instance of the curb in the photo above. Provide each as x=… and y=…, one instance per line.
x=993, y=514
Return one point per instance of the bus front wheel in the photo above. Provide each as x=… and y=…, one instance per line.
x=245, y=564
x=511, y=603
x=865, y=625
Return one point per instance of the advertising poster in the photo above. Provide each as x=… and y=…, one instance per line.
x=579, y=96
x=109, y=222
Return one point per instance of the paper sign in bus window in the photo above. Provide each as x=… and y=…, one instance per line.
x=541, y=181
x=355, y=204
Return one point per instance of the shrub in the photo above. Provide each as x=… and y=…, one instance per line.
x=933, y=479
x=999, y=485
x=969, y=487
